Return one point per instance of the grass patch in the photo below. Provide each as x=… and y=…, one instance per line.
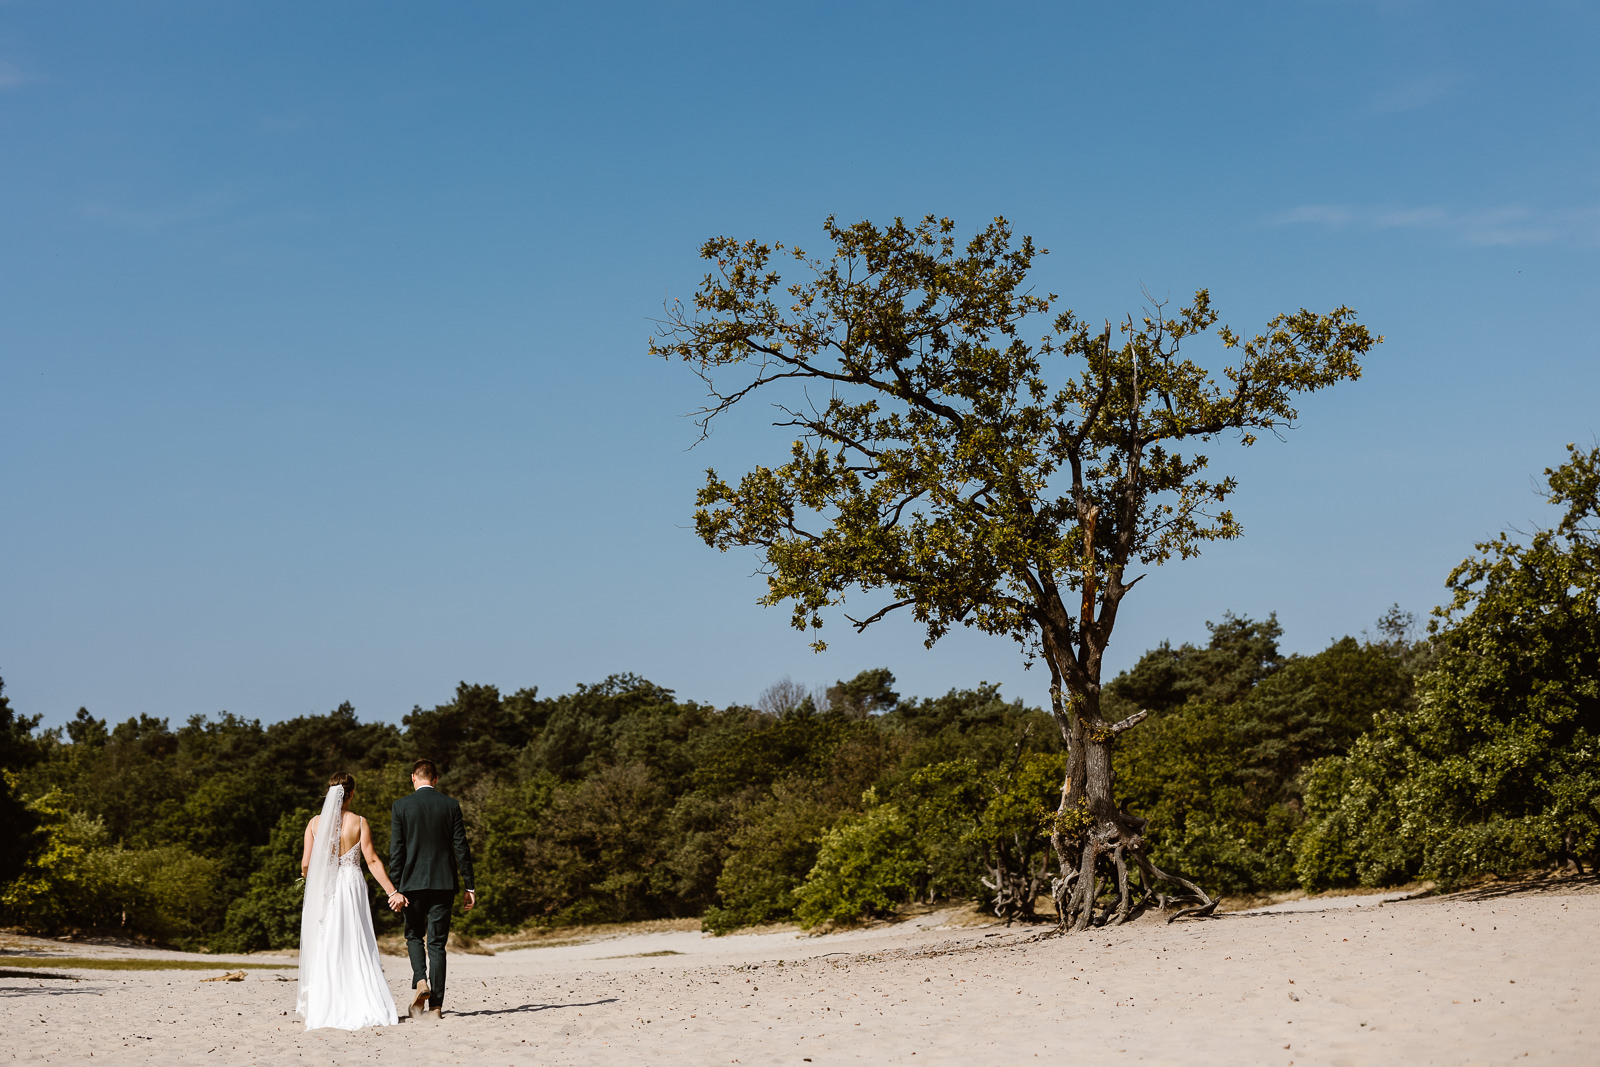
x=643, y=955
x=100, y=963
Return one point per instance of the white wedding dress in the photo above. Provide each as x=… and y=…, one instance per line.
x=341, y=976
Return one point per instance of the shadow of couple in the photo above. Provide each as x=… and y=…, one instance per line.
x=532, y=1007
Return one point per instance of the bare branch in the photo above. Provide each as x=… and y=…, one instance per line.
x=1130, y=722
x=862, y=624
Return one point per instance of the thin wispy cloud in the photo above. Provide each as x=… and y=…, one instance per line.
x=1483, y=227
x=1414, y=93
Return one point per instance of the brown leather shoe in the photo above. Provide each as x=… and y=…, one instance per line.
x=419, y=1003
x=437, y=1013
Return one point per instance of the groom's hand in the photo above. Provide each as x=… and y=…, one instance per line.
x=398, y=902
x=469, y=901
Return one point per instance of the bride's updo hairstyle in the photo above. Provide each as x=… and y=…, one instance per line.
x=344, y=778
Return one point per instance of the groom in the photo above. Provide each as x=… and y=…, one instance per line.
x=428, y=859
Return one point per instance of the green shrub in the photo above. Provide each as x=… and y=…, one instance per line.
x=867, y=865
x=1221, y=783
x=772, y=851
x=53, y=892
x=168, y=894
x=1351, y=832
x=1500, y=760
x=268, y=914
x=599, y=855
x=79, y=881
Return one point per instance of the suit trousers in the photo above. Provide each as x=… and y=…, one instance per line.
x=427, y=917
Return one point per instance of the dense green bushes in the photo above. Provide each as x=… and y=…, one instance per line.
x=19, y=825
x=78, y=877
x=1473, y=751
x=268, y=914
x=934, y=836
x=1218, y=769
x=1373, y=761
x=1498, y=767
x=611, y=803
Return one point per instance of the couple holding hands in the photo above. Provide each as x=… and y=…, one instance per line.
x=341, y=976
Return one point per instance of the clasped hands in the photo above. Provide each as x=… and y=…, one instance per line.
x=398, y=901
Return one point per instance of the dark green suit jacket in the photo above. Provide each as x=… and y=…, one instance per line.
x=428, y=843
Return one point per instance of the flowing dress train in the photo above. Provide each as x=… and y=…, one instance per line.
x=342, y=982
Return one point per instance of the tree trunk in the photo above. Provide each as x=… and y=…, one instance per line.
x=1094, y=840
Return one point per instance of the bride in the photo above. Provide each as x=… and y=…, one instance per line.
x=341, y=977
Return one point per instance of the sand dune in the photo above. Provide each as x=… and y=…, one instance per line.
x=1474, y=978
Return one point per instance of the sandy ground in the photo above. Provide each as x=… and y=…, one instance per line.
x=1485, y=977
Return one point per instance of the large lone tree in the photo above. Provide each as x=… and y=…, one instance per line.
x=974, y=477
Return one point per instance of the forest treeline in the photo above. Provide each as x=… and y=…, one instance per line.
x=1473, y=747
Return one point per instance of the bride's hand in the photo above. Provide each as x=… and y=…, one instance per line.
x=397, y=901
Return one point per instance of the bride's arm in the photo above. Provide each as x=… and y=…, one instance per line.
x=311, y=835
x=374, y=864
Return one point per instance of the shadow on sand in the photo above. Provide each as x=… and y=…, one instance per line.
x=33, y=991
x=533, y=1007
x=1517, y=887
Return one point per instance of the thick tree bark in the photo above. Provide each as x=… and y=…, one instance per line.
x=1094, y=840
x=1091, y=835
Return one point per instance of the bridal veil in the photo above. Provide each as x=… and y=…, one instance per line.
x=319, y=887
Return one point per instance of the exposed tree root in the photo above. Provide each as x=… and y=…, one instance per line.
x=1204, y=905
x=1109, y=848
x=1016, y=880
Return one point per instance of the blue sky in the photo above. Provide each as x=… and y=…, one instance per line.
x=323, y=327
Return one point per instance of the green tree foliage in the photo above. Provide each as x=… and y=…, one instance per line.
x=216, y=787
x=784, y=780
x=945, y=830
x=1498, y=767
x=510, y=891
x=81, y=879
x=952, y=467
x=616, y=801
x=1233, y=727
x=19, y=837
x=621, y=801
x=475, y=735
x=868, y=693
x=770, y=854
x=268, y=914
x=198, y=802
x=600, y=852
x=54, y=886
x=1241, y=653
x=867, y=864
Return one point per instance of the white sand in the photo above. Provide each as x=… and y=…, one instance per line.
x=1461, y=980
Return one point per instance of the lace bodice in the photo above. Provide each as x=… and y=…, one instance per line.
x=351, y=858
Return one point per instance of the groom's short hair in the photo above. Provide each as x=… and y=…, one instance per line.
x=425, y=769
